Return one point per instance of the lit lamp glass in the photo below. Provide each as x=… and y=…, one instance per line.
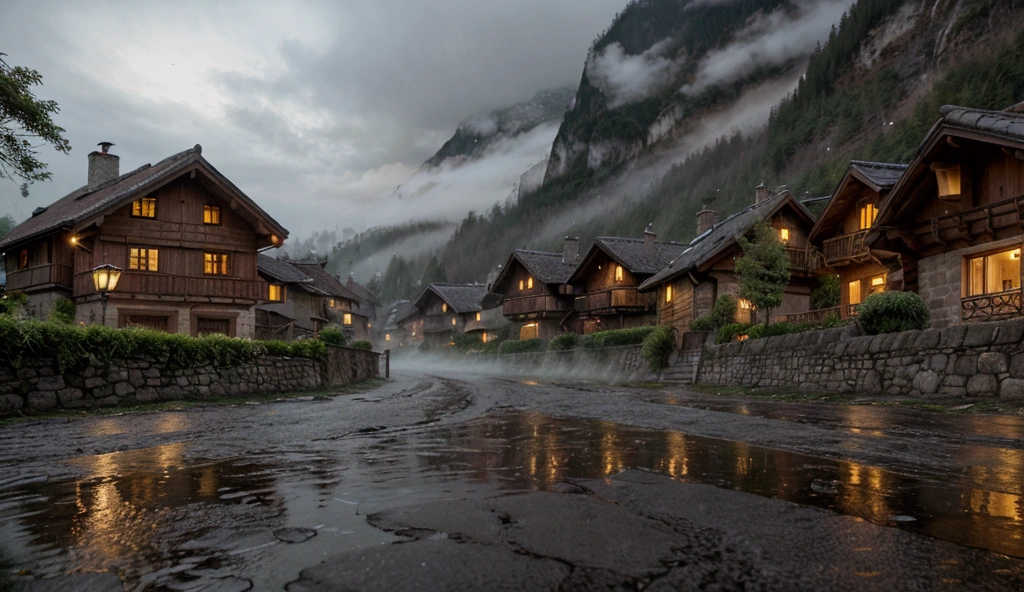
x=105, y=277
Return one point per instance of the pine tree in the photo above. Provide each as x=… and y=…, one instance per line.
x=763, y=269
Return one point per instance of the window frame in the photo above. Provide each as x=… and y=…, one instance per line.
x=983, y=256
x=141, y=203
x=346, y=319
x=219, y=260
x=668, y=293
x=214, y=212
x=151, y=259
x=620, y=274
x=23, y=259
x=280, y=293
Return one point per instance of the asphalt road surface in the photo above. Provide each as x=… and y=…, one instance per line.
x=446, y=480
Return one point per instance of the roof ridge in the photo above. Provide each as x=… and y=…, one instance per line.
x=947, y=109
x=887, y=165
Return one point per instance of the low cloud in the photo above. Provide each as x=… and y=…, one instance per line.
x=768, y=40
x=625, y=78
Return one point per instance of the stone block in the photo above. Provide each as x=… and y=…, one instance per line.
x=41, y=401
x=50, y=383
x=147, y=395
x=1009, y=332
x=136, y=377
x=123, y=389
x=982, y=385
x=954, y=380
x=182, y=381
x=151, y=373
x=938, y=362
x=953, y=391
x=108, y=401
x=992, y=363
x=952, y=337
x=966, y=365
x=979, y=335
x=927, y=339
x=1012, y=388
x=10, y=404
x=69, y=397
x=104, y=391
x=94, y=382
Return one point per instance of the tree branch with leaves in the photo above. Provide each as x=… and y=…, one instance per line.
x=763, y=269
x=25, y=126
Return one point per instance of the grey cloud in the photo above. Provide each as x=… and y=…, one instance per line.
x=624, y=78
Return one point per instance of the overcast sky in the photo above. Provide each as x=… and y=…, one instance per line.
x=309, y=107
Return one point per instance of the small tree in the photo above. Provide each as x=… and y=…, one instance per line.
x=763, y=269
x=827, y=295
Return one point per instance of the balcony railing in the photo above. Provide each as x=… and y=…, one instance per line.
x=991, y=307
x=982, y=220
x=40, y=275
x=816, y=316
x=165, y=284
x=437, y=324
x=532, y=304
x=845, y=249
x=615, y=298
x=798, y=259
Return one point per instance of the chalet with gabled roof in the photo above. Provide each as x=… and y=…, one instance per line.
x=607, y=279
x=839, y=232
x=536, y=298
x=293, y=307
x=339, y=306
x=403, y=327
x=688, y=285
x=186, y=237
x=448, y=310
x=952, y=226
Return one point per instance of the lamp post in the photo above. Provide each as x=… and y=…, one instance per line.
x=105, y=278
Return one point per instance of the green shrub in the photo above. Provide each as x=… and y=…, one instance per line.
x=827, y=294
x=658, y=346
x=564, y=341
x=63, y=311
x=362, y=344
x=491, y=347
x=703, y=323
x=522, y=346
x=332, y=336
x=13, y=302
x=731, y=331
x=634, y=336
x=831, y=321
x=467, y=341
x=890, y=312
x=722, y=313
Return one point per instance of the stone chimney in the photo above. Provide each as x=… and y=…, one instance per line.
x=761, y=193
x=103, y=166
x=570, y=249
x=649, y=236
x=706, y=219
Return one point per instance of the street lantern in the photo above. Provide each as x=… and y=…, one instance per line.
x=104, y=279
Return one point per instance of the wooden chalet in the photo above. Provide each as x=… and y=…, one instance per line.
x=607, y=279
x=951, y=229
x=403, y=327
x=294, y=306
x=535, y=296
x=365, y=310
x=338, y=305
x=186, y=237
x=448, y=310
x=841, y=228
x=687, y=287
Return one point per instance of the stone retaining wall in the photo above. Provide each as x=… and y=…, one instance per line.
x=39, y=386
x=607, y=363
x=975, y=360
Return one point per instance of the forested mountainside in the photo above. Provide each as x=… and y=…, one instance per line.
x=871, y=91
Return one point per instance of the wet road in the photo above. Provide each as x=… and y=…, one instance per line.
x=248, y=496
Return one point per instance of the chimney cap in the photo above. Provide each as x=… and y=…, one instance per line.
x=105, y=146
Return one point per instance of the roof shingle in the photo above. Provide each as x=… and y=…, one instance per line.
x=281, y=270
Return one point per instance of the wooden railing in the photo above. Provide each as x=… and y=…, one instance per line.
x=50, y=273
x=798, y=259
x=164, y=284
x=844, y=249
x=970, y=223
x=531, y=304
x=991, y=307
x=816, y=316
x=615, y=298
x=436, y=324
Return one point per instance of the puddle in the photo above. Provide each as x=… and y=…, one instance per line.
x=163, y=523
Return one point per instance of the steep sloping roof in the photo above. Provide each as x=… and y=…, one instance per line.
x=547, y=267
x=1005, y=124
x=84, y=204
x=461, y=298
x=400, y=311
x=360, y=290
x=281, y=270
x=879, y=177
x=723, y=235
x=324, y=281
x=633, y=254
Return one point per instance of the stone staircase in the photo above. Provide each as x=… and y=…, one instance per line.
x=683, y=368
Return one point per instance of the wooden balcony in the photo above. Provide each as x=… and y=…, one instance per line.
x=992, y=307
x=983, y=220
x=799, y=261
x=40, y=275
x=438, y=324
x=845, y=249
x=532, y=304
x=187, y=287
x=620, y=299
x=816, y=316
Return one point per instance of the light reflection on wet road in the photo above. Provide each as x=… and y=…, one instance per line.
x=161, y=520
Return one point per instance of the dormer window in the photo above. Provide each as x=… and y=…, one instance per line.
x=868, y=213
x=529, y=283
x=948, y=178
x=211, y=215
x=784, y=236
x=619, y=273
x=276, y=293
x=444, y=307
x=144, y=207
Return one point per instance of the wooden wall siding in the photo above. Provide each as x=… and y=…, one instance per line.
x=185, y=287
x=679, y=312
x=599, y=279
x=535, y=304
x=998, y=178
x=797, y=227
x=521, y=274
x=863, y=196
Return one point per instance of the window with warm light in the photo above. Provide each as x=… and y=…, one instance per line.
x=868, y=213
x=483, y=338
x=347, y=318
x=619, y=273
x=215, y=263
x=387, y=336
x=444, y=307
x=276, y=293
x=144, y=207
x=529, y=283
x=453, y=321
x=995, y=272
x=854, y=292
x=331, y=303
x=668, y=293
x=745, y=304
x=478, y=317
x=143, y=259
x=948, y=178
x=522, y=285
x=529, y=331
x=876, y=284
x=23, y=259
x=211, y=215
x=784, y=235
x=858, y=290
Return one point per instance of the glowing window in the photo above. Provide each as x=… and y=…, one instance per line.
x=854, y=292
x=668, y=293
x=522, y=285
x=143, y=259
x=387, y=336
x=619, y=274
x=215, y=263
x=528, y=331
x=484, y=338
x=868, y=213
x=211, y=215
x=347, y=318
x=276, y=293
x=995, y=272
x=784, y=235
x=330, y=303
x=453, y=321
x=529, y=283
x=444, y=307
x=745, y=304
x=478, y=317
x=144, y=207
x=948, y=178
x=23, y=259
